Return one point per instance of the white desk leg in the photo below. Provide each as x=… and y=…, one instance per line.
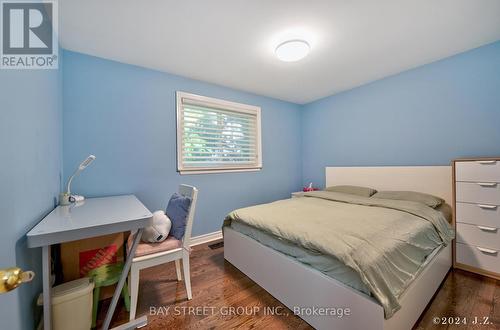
x=121, y=282
x=47, y=301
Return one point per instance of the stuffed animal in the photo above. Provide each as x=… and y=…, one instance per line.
x=158, y=230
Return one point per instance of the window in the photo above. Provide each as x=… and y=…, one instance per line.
x=216, y=135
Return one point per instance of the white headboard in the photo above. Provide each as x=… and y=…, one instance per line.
x=435, y=180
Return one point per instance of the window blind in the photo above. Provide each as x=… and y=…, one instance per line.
x=215, y=135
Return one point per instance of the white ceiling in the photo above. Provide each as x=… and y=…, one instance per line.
x=231, y=42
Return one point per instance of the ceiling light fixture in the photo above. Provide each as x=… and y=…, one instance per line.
x=292, y=50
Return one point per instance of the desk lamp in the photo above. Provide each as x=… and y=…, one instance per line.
x=66, y=198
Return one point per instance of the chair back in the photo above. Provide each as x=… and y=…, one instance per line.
x=191, y=192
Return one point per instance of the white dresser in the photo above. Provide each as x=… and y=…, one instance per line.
x=477, y=215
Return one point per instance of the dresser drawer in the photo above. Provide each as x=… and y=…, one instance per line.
x=478, y=214
x=487, y=259
x=488, y=237
x=479, y=170
x=478, y=192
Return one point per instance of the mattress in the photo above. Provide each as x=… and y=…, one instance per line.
x=326, y=264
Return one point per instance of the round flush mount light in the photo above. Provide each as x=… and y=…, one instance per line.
x=292, y=50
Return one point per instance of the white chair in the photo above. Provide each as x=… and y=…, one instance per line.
x=172, y=249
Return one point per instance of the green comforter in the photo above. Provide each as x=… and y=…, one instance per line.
x=384, y=241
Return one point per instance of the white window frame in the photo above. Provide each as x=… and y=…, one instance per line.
x=225, y=105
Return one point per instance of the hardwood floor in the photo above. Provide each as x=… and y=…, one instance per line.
x=224, y=298
x=465, y=296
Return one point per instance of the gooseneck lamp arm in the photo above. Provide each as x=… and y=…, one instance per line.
x=80, y=168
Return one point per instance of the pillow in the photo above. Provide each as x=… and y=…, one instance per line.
x=177, y=211
x=158, y=230
x=429, y=200
x=446, y=211
x=353, y=190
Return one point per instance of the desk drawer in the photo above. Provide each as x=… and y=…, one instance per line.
x=478, y=192
x=479, y=257
x=478, y=235
x=480, y=170
x=478, y=214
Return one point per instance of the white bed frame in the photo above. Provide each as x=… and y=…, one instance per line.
x=299, y=286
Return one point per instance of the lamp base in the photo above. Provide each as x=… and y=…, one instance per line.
x=76, y=198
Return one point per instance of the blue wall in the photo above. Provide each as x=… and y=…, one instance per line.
x=125, y=115
x=30, y=167
x=425, y=116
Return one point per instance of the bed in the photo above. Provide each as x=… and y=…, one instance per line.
x=339, y=300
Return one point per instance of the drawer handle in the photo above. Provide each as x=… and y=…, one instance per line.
x=487, y=184
x=486, y=162
x=489, y=207
x=491, y=229
x=484, y=250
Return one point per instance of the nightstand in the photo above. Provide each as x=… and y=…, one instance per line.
x=477, y=215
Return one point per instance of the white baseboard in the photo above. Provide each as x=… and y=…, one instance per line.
x=205, y=238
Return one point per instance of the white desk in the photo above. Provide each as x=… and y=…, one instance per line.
x=93, y=217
